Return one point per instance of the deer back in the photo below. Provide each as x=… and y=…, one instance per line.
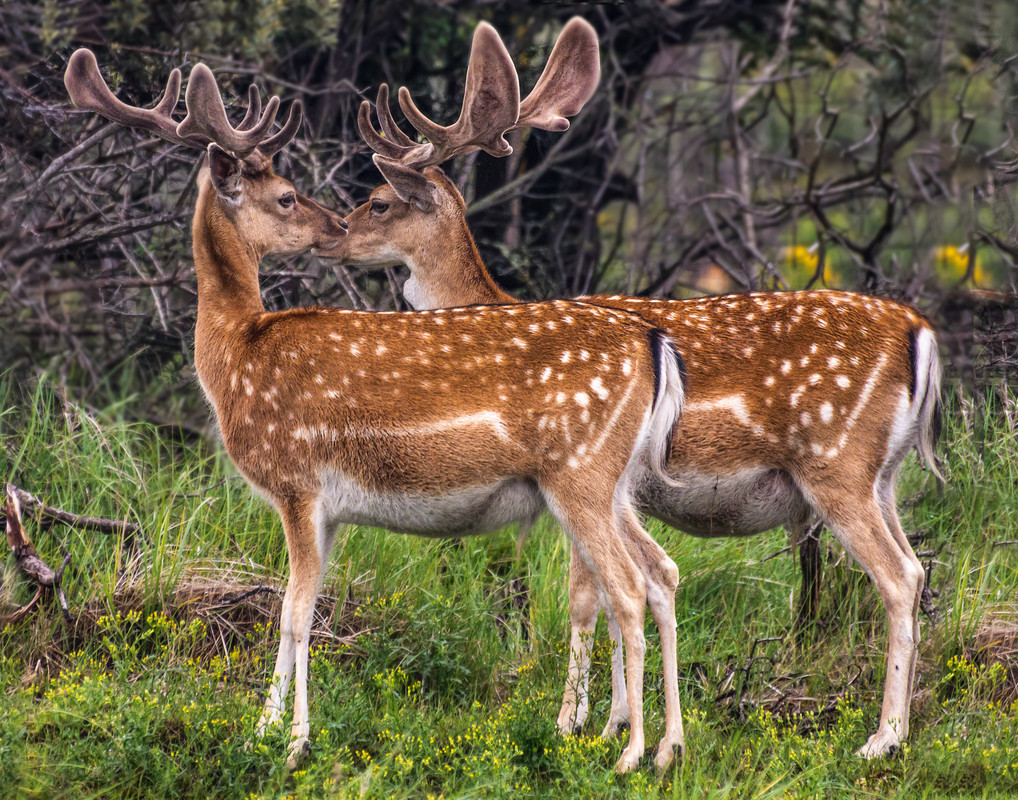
x=795, y=371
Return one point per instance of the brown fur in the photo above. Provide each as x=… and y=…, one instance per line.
x=731, y=344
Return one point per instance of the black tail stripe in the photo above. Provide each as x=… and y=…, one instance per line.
x=913, y=354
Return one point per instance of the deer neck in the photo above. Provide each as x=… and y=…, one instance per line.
x=447, y=271
x=226, y=267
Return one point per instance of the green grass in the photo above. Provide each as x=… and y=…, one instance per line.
x=423, y=684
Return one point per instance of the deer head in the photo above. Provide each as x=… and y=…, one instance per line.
x=266, y=213
x=405, y=215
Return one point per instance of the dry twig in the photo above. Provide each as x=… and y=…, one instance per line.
x=50, y=514
x=30, y=563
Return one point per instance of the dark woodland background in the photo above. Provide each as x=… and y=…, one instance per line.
x=732, y=145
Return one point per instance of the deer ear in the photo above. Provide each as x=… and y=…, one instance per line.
x=409, y=185
x=226, y=172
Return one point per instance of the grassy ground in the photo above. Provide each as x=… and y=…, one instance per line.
x=423, y=683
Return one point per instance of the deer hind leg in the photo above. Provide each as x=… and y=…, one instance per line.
x=858, y=521
x=624, y=590
x=584, y=603
x=520, y=582
x=662, y=579
x=308, y=541
x=886, y=496
x=806, y=537
x=523, y=533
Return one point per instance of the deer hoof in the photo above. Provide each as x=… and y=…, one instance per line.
x=667, y=753
x=629, y=760
x=882, y=743
x=570, y=724
x=299, y=751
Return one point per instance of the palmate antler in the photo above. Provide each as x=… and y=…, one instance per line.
x=491, y=103
x=206, y=119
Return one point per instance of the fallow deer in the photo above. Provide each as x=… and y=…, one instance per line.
x=799, y=403
x=431, y=423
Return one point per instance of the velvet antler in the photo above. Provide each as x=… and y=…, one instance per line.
x=491, y=102
x=206, y=119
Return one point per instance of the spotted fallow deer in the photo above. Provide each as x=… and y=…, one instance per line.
x=432, y=423
x=799, y=403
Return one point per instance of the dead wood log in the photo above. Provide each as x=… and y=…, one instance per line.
x=30, y=563
x=50, y=514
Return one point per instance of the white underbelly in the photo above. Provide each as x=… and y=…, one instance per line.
x=725, y=504
x=473, y=510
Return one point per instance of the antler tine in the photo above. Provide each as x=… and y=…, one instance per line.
x=281, y=138
x=491, y=104
x=373, y=138
x=284, y=135
x=394, y=145
x=491, y=101
x=254, y=108
x=206, y=115
x=568, y=80
x=389, y=126
x=88, y=90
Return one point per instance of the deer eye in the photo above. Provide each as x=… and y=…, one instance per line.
x=378, y=207
x=288, y=200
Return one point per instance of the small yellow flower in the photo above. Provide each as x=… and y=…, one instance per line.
x=800, y=264
x=951, y=263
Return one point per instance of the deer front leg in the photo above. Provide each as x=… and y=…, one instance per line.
x=275, y=701
x=308, y=543
x=618, y=717
x=583, y=609
x=627, y=599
